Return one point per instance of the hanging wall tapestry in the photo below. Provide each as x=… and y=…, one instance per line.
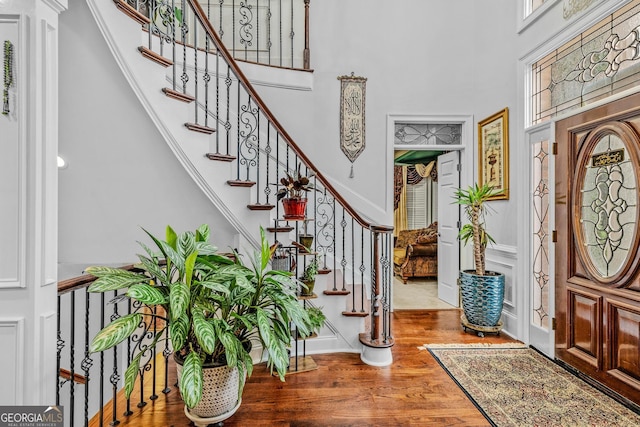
x=352, y=102
x=8, y=75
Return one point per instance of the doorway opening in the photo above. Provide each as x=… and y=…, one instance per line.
x=428, y=153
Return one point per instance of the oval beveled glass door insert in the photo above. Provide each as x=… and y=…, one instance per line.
x=608, y=208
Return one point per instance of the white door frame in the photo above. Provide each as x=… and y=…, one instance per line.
x=467, y=148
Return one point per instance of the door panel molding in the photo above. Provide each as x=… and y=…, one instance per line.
x=584, y=330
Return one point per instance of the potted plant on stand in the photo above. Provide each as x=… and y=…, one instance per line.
x=482, y=291
x=309, y=277
x=215, y=309
x=293, y=194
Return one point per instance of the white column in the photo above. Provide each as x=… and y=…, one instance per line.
x=28, y=203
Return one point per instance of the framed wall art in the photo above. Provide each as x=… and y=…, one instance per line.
x=493, y=153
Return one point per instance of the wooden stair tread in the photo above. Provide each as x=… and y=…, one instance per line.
x=261, y=207
x=176, y=94
x=159, y=59
x=200, y=128
x=336, y=292
x=220, y=157
x=131, y=12
x=324, y=271
x=285, y=229
x=240, y=183
x=355, y=313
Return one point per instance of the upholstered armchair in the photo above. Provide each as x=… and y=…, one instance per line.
x=415, y=253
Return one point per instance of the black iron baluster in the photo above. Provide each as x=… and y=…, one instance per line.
x=206, y=78
x=128, y=410
x=218, y=101
x=335, y=252
x=233, y=28
x=166, y=353
x=257, y=143
x=343, y=263
x=362, y=266
x=280, y=25
x=60, y=346
x=183, y=31
x=221, y=28
x=258, y=31
x=269, y=42
x=227, y=125
x=291, y=35
x=115, y=377
x=267, y=151
x=101, y=363
x=353, y=266
x=238, y=132
x=72, y=353
x=174, y=66
x=196, y=106
x=154, y=396
x=87, y=362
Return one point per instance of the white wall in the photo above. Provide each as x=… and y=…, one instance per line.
x=420, y=57
x=121, y=174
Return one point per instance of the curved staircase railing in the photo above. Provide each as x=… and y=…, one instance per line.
x=243, y=130
x=268, y=32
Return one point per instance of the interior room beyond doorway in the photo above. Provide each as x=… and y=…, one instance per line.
x=416, y=212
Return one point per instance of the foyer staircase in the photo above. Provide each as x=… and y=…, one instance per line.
x=233, y=147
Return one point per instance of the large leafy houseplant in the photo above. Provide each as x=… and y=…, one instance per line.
x=213, y=306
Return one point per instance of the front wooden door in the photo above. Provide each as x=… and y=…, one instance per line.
x=597, y=252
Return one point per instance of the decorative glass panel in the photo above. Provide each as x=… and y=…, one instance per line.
x=600, y=62
x=540, y=241
x=608, y=208
x=427, y=134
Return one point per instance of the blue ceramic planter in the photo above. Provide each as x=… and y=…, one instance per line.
x=482, y=297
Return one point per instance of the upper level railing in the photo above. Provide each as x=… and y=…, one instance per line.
x=268, y=32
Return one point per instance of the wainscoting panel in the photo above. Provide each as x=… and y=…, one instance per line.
x=12, y=165
x=11, y=361
x=503, y=259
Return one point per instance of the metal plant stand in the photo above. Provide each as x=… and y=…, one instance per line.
x=481, y=330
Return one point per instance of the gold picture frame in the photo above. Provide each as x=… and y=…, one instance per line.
x=493, y=153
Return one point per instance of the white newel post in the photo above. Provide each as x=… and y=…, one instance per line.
x=29, y=201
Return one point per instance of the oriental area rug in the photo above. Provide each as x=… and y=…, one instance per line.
x=520, y=387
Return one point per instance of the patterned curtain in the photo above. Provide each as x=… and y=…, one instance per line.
x=400, y=200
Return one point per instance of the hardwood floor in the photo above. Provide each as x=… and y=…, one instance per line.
x=343, y=391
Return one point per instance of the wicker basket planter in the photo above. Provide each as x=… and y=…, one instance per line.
x=220, y=391
x=482, y=297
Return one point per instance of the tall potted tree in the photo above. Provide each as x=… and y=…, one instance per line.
x=482, y=291
x=215, y=309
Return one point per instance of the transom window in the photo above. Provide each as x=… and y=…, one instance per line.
x=598, y=63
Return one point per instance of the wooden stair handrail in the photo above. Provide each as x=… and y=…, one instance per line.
x=83, y=281
x=244, y=81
